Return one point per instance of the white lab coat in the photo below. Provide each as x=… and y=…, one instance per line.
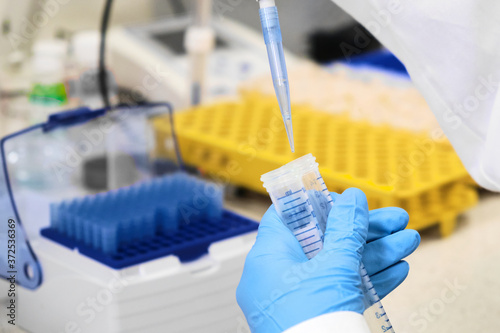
x=452, y=51
x=342, y=322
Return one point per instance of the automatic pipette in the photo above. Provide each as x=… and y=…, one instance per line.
x=199, y=43
x=272, y=36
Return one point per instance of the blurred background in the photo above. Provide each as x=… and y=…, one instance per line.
x=79, y=15
x=354, y=108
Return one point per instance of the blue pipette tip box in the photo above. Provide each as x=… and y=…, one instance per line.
x=188, y=242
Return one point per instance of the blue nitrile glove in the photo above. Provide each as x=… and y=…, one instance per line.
x=280, y=288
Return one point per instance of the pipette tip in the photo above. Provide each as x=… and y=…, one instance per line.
x=283, y=95
x=289, y=133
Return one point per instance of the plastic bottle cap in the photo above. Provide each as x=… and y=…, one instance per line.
x=289, y=173
x=45, y=65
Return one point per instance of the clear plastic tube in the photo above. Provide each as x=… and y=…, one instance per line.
x=298, y=191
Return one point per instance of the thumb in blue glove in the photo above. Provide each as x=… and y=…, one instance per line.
x=280, y=287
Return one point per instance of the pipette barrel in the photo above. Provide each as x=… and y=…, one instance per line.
x=274, y=43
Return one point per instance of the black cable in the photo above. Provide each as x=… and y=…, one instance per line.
x=103, y=80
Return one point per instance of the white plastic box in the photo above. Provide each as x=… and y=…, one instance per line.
x=62, y=290
x=81, y=295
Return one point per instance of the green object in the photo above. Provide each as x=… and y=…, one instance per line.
x=48, y=94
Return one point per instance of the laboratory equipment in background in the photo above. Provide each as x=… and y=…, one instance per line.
x=159, y=255
x=14, y=106
x=47, y=95
x=377, y=159
x=151, y=59
x=374, y=88
x=303, y=203
x=84, y=79
x=14, y=76
x=327, y=45
x=274, y=43
x=18, y=31
x=380, y=59
x=48, y=91
x=199, y=42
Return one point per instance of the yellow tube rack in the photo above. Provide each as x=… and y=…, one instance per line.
x=236, y=142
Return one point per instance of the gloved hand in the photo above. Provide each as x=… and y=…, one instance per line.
x=280, y=287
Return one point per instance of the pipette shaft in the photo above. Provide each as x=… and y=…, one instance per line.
x=274, y=43
x=199, y=42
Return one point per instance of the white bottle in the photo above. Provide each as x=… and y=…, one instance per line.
x=48, y=91
x=86, y=86
x=33, y=153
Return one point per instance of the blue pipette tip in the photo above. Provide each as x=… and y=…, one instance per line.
x=274, y=43
x=289, y=133
x=283, y=96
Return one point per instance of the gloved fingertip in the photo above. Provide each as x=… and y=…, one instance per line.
x=389, y=279
x=398, y=216
x=386, y=221
x=416, y=238
x=355, y=193
x=385, y=252
x=400, y=272
x=403, y=216
x=404, y=269
x=334, y=196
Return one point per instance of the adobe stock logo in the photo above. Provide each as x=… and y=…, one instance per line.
x=429, y=313
x=30, y=26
